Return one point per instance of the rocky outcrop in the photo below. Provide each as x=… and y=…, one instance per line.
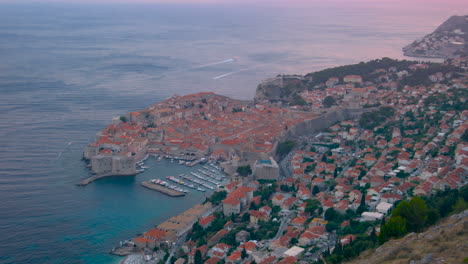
x=449, y=40
x=281, y=88
x=443, y=243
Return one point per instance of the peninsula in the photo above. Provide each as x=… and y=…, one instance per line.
x=449, y=40
x=202, y=126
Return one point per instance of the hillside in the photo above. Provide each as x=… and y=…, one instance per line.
x=449, y=40
x=442, y=243
x=381, y=73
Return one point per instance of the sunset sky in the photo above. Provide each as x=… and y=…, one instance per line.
x=235, y=1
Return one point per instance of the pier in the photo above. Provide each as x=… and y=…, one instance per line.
x=162, y=189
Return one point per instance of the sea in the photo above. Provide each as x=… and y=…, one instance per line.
x=67, y=69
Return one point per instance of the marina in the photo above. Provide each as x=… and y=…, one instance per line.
x=209, y=177
x=196, y=181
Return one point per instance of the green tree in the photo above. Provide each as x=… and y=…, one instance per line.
x=285, y=147
x=198, y=257
x=395, y=227
x=315, y=190
x=362, y=206
x=328, y=101
x=415, y=212
x=197, y=231
x=201, y=242
x=243, y=253
x=331, y=214
x=311, y=205
x=244, y=170
x=373, y=236
x=246, y=217
x=123, y=119
x=217, y=197
x=432, y=216
x=465, y=136
x=297, y=100
x=331, y=225
x=293, y=241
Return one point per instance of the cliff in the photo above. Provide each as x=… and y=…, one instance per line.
x=281, y=88
x=449, y=40
x=443, y=243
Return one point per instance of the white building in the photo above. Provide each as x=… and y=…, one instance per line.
x=266, y=169
x=384, y=207
x=371, y=216
x=293, y=252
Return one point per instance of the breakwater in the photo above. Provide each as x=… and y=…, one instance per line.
x=96, y=177
x=162, y=189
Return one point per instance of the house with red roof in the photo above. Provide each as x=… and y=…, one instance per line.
x=235, y=257
x=191, y=255
x=237, y=200
x=342, y=206
x=307, y=238
x=278, y=199
x=206, y=221
x=304, y=193
x=249, y=246
x=354, y=195
x=287, y=260
x=266, y=209
x=299, y=221
x=288, y=203
x=256, y=216
x=213, y=260
x=347, y=239
x=219, y=250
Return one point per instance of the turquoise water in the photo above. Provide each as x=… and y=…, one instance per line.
x=66, y=70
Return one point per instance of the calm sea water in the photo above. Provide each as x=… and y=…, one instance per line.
x=66, y=70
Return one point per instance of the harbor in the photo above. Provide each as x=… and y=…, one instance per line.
x=195, y=179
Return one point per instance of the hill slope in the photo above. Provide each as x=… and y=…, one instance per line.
x=443, y=243
x=447, y=41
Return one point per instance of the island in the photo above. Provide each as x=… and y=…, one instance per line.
x=449, y=40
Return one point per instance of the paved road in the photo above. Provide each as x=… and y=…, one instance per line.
x=180, y=241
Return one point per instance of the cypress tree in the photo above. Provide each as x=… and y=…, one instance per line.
x=198, y=257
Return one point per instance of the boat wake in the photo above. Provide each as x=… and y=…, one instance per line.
x=247, y=69
x=214, y=63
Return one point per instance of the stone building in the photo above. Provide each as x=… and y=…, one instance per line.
x=266, y=169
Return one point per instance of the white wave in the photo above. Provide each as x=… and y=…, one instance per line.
x=247, y=69
x=212, y=64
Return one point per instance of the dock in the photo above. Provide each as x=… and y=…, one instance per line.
x=162, y=189
x=193, y=163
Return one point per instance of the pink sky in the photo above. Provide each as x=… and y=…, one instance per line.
x=461, y=6
x=244, y=1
